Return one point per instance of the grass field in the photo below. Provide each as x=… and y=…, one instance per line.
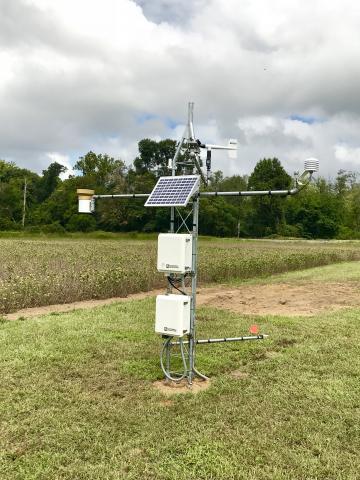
x=43, y=271
x=77, y=401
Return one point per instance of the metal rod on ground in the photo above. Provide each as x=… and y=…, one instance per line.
x=223, y=340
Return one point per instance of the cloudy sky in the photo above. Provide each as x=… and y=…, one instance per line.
x=282, y=77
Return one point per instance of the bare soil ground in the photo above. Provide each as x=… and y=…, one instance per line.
x=288, y=299
x=285, y=299
x=69, y=307
x=170, y=388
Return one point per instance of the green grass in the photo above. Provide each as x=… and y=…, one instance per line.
x=347, y=271
x=77, y=402
x=338, y=272
x=43, y=271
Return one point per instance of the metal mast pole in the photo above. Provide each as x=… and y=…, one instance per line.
x=186, y=136
x=24, y=203
x=192, y=334
x=172, y=209
x=190, y=133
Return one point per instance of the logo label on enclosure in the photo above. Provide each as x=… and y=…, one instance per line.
x=168, y=329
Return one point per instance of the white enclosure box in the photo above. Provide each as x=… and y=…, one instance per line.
x=85, y=206
x=172, y=315
x=174, y=252
x=86, y=200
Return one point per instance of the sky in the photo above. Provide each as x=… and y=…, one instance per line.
x=282, y=77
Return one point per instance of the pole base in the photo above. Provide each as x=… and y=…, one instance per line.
x=169, y=388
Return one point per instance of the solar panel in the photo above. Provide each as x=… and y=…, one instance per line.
x=173, y=191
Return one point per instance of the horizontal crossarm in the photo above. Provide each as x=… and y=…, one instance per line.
x=251, y=193
x=248, y=193
x=124, y=195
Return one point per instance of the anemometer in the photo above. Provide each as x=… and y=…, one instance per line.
x=175, y=313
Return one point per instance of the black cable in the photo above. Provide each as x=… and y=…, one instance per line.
x=176, y=280
x=179, y=280
x=174, y=286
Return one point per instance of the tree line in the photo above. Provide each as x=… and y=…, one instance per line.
x=326, y=209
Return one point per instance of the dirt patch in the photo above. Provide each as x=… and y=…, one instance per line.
x=286, y=342
x=272, y=299
x=282, y=298
x=239, y=375
x=272, y=354
x=171, y=388
x=69, y=307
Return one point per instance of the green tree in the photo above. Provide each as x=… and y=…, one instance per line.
x=12, y=181
x=99, y=168
x=354, y=210
x=61, y=204
x=316, y=211
x=154, y=156
x=267, y=215
x=50, y=180
x=10, y=205
x=218, y=217
x=344, y=182
x=81, y=223
x=237, y=207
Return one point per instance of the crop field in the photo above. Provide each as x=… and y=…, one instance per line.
x=77, y=400
x=36, y=272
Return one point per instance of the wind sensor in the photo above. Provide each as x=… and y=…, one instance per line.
x=175, y=316
x=190, y=148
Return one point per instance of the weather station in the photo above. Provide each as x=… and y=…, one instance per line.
x=175, y=312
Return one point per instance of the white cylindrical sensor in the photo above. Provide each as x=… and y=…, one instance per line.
x=85, y=197
x=311, y=165
x=85, y=206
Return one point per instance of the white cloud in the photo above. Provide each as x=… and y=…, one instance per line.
x=63, y=160
x=347, y=154
x=78, y=75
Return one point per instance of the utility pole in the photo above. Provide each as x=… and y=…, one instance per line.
x=24, y=203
